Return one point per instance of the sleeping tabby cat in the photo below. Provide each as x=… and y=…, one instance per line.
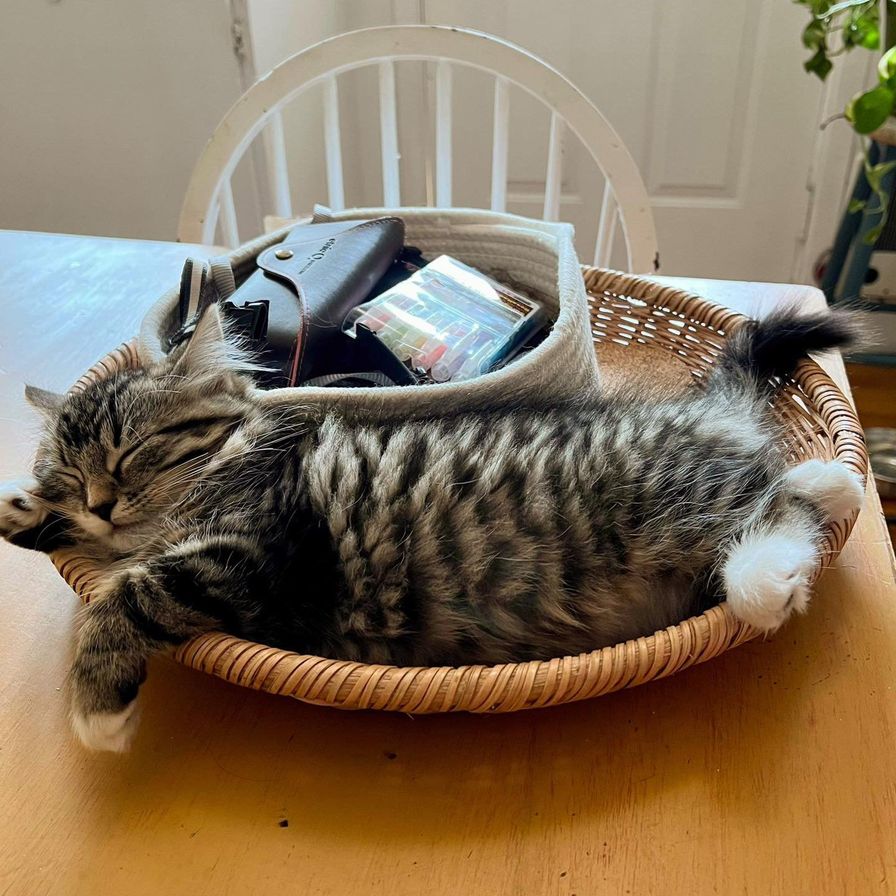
x=479, y=538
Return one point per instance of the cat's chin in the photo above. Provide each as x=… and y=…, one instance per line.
x=119, y=539
x=95, y=527
x=126, y=539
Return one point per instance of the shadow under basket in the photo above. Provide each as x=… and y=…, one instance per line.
x=654, y=337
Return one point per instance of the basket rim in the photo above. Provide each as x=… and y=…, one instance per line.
x=510, y=686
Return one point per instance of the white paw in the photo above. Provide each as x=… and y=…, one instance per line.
x=831, y=485
x=19, y=510
x=111, y=731
x=766, y=578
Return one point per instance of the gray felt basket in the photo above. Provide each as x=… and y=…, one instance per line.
x=531, y=254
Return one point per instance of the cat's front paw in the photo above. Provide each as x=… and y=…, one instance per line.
x=766, y=578
x=106, y=676
x=107, y=731
x=19, y=509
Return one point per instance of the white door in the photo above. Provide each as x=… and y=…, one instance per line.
x=710, y=98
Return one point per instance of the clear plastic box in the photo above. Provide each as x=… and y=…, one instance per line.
x=449, y=321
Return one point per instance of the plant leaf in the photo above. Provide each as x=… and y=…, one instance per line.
x=872, y=236
x=870, y=38
x=874, y=174
x=814, y=35
x=819, y=64
x=861, y=32
x=855, y=205
x=868, y=111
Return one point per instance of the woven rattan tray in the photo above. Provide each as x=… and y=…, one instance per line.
x=658, y=337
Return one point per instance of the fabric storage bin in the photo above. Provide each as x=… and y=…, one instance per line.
x=530, y=254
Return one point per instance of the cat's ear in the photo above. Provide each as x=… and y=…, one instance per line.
x=46, y=403
x=212, y=351
x=207, y=353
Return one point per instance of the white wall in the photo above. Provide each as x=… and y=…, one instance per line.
x=105, y=106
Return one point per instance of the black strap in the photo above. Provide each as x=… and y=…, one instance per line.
x=203, y=282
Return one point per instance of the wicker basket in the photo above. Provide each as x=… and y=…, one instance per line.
x=658, y=336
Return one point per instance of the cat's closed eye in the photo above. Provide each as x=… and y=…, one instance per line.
x=72, y=474
x=119, y=462
x=165, y=439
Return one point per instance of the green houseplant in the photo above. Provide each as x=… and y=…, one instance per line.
x=836, y=28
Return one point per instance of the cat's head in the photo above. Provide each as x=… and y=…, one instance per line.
x=123, y=452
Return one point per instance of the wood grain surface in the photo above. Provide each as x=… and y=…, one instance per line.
x=874, y=390
x=769, y=770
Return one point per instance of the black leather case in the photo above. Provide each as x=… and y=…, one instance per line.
x=311, y=281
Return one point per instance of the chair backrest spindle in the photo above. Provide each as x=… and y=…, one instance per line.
x=601, y=251
x=279, y=171
x=333, y=144
x=553, y=175
x=443, y=134
x=500, y=132
x=228, y=214
x=389, y=135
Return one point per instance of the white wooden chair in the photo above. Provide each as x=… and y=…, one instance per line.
x=624, y=203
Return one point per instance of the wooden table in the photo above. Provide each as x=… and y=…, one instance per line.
x=769, y=770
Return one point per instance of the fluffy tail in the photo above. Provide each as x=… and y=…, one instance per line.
x=773, y=346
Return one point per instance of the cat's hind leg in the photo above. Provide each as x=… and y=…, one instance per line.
x=830, y=485
x=767, y=571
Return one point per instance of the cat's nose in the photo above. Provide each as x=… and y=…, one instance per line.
x=103, y=511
